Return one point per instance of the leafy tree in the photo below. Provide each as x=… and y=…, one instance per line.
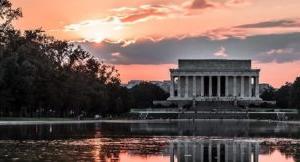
x=145, y=93
x=42, y=76
x=283, y=96
x=269, y=94
x=295, y=93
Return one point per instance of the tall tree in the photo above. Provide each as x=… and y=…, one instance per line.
x=42, y=76
x=283, y=96
x=145, y=93
x=295, y=93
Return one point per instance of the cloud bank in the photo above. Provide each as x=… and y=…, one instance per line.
x=278, y=48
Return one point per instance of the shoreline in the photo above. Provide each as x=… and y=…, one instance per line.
x=60, y=121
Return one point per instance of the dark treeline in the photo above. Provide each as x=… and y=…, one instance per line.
x=42, y=76
x=287, y=96
x=145, y=93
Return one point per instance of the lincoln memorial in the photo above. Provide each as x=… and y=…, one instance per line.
x=214, y=80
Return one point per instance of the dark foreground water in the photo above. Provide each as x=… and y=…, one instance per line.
x=203, y=141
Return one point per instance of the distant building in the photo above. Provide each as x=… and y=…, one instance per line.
x=214, y=80
x=133, y=83
x=263, y=87
x=165, y=85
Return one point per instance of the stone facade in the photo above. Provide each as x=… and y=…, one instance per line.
x=214, y=80
x=214, y=150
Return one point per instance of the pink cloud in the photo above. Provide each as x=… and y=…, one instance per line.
x=116, y=54
x=145, y=12
x=238, y=3
x=201, y=4
x=260, y=28
x=221, y=52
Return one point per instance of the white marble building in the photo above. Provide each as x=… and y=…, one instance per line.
x=213, y=150
x=214, y=80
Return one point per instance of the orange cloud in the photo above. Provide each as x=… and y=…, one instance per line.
x=145, y=12
x=261, y=28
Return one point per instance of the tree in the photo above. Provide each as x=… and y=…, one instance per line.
x=145, y=93
x=295, y=93
x=283, y=96
x=269, y=94
x=42, y=76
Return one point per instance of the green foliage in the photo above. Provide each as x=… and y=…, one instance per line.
x=288, y=96
x=42, y=76
x=295, y=93
x=283, y=96
x=269, y=94
x=145, y=93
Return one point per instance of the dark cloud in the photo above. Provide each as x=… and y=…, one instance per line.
x=289, y=53
x=275, y=23
x=201, y=4
x=168, y=51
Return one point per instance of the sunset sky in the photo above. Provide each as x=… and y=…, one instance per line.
x=144, y=38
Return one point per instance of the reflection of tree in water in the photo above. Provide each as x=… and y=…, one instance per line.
x=289, y=148
x=109, y=152
x=200, y=128
x=56, y=150
x=110, y=149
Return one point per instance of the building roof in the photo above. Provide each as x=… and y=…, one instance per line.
x=214, y=64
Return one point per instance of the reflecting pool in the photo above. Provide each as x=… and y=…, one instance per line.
x=168, y=141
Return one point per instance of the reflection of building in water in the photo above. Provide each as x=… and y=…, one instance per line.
x=213, y=151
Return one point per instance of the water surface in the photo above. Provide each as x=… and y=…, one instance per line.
x=211, y=141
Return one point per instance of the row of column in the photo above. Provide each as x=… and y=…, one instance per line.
x=234, y=152
x=242, y=83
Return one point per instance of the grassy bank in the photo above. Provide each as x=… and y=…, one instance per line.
x=35, y=119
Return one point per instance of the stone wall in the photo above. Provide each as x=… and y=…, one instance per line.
x=215, y=64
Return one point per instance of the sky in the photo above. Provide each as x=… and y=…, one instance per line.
x=145, y=38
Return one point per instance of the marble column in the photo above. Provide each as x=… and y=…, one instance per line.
x=242, y=86
x=241, y=152
x=210, y=152
x=210, y=86
x=219, y=86
x=179, y=87
x=172, y=87
x=256, y=152
x=249, y=149
x=202, y=86
x=218, y=153
x=226, y=87
x=186, y=151
x=234, y=86
x=186, y=87
x=194, y=86
x=178, y=151
x=250, y=87
x=234, y=152
x=172, y=152
x=257, y=86
x=201, y=152
x=226, y=152
x=194, y=152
